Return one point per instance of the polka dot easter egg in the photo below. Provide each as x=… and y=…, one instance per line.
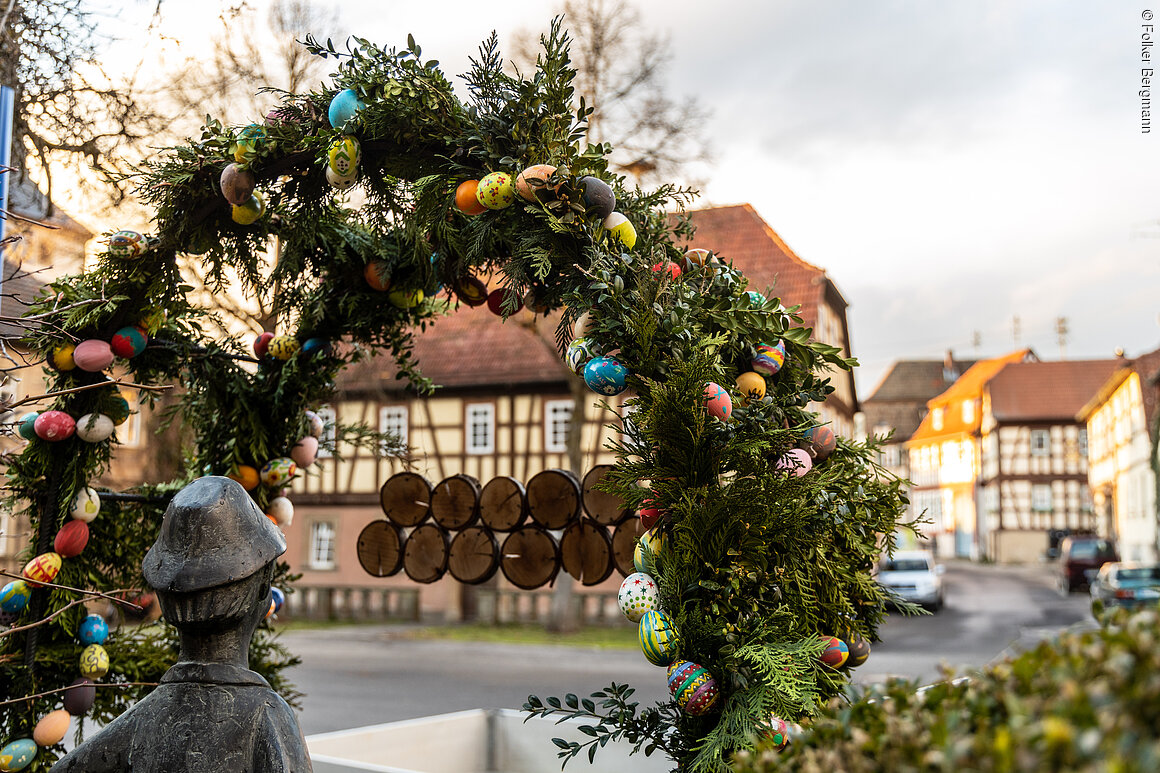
x=93, y=630
x=638, y=594
x=769, y=358
x=18, y=755
x=496, y=191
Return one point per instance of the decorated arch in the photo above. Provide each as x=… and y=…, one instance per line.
x=389, y=200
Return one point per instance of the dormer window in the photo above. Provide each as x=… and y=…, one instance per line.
x=968, y=411
x=936, y=418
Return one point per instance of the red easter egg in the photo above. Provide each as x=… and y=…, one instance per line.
x=669, y=267
x=378, y=275
x=262, y=344
x=71, y=539
x=649, y=515
x=128, y=342
x=495, y=302
x=93, y=355
x=54, y=426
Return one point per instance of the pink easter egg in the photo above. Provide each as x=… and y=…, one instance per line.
x=93, y=355
x=54, y=425
x=717, y=402
x=797, y=461
x=305, y=451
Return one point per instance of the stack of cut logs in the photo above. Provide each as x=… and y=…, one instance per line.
x=528, y=532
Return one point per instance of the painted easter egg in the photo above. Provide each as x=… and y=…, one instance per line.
x=316, y=346
x=305, y=451
x=341, y=182
x=621, y=228
x=344, y=155
x=26, y=425
x=751, y=385
x=284, y=347
x=281, y=510
x=94, y=427
x=377, y=273
x=116, y=407
x=18, y=755
x=859, y=652
x=126, y=245
x=533, y=301
x=756, y=300
x=128, y=342
x=820, y=442
x=93, y=355
x=54, y=426
x=86, y=505
x=648, y=547
x=405, y=299
x=79, y=697
x=41, y=569
x=61, y=357
x=250, y=210
x=638, y=594
x=580, y=352
x=598, y=197
x=71, y=540
x=279, y=597
x=471, y=290
x=247, y=143
x=718, y=402
x=237, y=184
x=315, y=424
x=769, y=358
x=466, y=200
x=52, y=728
x=796, y=461
x=658, y=637
x=606, y=376
x=835, y=653
x=584, y=326
x=271, y=609
x=496, y=191
x=344, y=108
x=666, y=267
x=699, y=258
x=94, y=662
x=262, y=344
x=692, y=687
x=775, y=733
x=93, y=630
x=650, y=514
x=532, y=183
x=278, y=471
x=497, y=299
x=14, y=596
x=247, y=476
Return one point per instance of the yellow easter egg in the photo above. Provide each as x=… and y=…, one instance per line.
x=344, y=155
x=62, y=357
x=751, y=386
x=619, y=226
x=283, y=347
x=248, y=213
x=94, y=662
x=496, y=191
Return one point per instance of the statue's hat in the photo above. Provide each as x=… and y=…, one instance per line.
x=213, y=534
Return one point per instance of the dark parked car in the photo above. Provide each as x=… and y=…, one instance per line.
x=1125, y=584
x=1081, y=555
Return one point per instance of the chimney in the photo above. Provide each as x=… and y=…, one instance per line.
x=950, y=372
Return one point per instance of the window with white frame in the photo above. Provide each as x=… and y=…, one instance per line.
x=129, y=433
x=557, y=422
x=968, y=411
x=329, y=431
x=480, y=428
x=1041, y=497
x=1040, y=442
x=1083, y=443
x=891, y=456
x=395, y=420
x=321, y=545
x=936, y=418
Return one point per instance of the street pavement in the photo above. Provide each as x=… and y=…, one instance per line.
x=363, y=675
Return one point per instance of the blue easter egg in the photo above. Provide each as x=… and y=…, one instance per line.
x=93, y=630
x=14, y=596
x=26, y=426
x=314, y=346
x=279, y=598
x=18, y=754
x=606, y=376
x=343, y=108
x=756, y=298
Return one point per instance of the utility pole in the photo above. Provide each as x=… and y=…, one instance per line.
x=977, y=340
x=7, y=114
x=1016, y=331
x=1061, y=333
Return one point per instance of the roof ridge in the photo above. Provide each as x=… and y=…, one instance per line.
x=776, y=238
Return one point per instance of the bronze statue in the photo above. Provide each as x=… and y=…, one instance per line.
x=211, y=567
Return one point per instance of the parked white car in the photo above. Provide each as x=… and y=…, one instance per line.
x=913, y=576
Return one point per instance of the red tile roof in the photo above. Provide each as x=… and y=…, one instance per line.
x=1147, y=368
x=1046, y=391
x=969, y=386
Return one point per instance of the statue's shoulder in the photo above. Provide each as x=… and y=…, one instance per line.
x=281, y=747
x=107, y=751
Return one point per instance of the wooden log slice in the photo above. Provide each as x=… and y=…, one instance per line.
x=529, y=557
x=586, y=552
x=503, y=504
x=624, y=538
x=474, y=555
x=455, y=502
x=425, y=553
x=380, y=548
x=554, y=498
x=406, y=499
x=608, y=509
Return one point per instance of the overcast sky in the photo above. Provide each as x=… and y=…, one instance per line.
x=950, y=165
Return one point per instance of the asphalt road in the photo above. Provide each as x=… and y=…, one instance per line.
x=368, y=675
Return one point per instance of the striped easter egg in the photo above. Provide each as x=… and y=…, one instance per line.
x=43, y=568
x=693, y=687
x=658, y=637
x=769, y=358
x=835, y=653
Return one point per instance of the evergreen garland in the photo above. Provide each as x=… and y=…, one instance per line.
x=753, y=563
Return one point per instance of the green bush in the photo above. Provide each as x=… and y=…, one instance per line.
x=1085, y=702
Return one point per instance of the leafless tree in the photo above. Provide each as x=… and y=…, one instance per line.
x=620, y=70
